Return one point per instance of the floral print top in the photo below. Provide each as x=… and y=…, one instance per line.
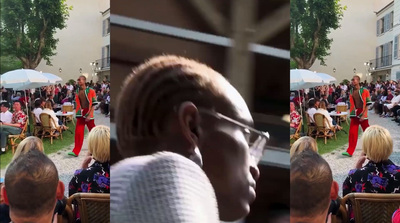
x=383, y=177
x=19, y=118
x=295, y=118
x=94, y=179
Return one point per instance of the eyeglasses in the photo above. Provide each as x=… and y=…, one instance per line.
x=257, y=140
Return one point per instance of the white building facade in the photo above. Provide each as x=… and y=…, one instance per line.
x=81, y=42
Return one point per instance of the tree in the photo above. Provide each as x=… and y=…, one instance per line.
x=8, y=63
x=28, y=28
x=310, y=23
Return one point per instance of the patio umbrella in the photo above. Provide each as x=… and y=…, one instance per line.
x=303, y=79
x=326, y=78
x=53, y=79
x=23, y=79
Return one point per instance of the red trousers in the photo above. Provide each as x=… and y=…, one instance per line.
x=80, y=131
x=353, y=132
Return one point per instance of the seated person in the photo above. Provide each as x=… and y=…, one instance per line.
x=15, y=127
x=295, y=118
x=310, y=197
x=6, y=115
x=311, y=110
x=97, y=174
x=48, y=109
x=39, y=104
x=32, y=175
x=16, y=97
x=329, y=121
x=380, y=174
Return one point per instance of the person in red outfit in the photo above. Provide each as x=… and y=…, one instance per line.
x=359, y=98
x=85, y=99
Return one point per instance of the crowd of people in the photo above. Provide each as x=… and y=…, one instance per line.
x=314, y=198
x=31, y=174
x=47, y=100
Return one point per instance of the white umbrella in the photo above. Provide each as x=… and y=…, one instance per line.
x=23, y=79
x=303, y=79
x=326, y=78
x=53, y=79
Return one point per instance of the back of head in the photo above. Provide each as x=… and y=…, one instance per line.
x=377, y=143
x=29, y=143
x=311, y=103
x=31, y=183
x=48, y=105
x=311, y=178
x=322, y=105
x=304, y=143
x=99, y=143
x=38, y=103
x=152, y=92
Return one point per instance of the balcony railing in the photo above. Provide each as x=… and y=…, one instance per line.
x=381, y=61
x=103, y=63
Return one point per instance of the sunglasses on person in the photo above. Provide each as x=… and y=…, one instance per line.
x=257, y=140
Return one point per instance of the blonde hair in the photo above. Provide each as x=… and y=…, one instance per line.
x=304, y=143
x=99, y=143
x=27, y=144
x=48, y=105
x=377, y=143
x=322, y=105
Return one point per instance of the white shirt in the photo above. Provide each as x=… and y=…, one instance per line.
x=6, y=117
x=394, y=100
x=326, y=114
x=37, y=112
x=53, y=116
x=311, y=112
x=70, y=87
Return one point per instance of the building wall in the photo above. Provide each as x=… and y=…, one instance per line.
x=353, y=43
x=396, y=31
x=80, y=43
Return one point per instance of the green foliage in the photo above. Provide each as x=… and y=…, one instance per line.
x=310, y=23
x=28, y=28
x=293, y=64
x=71, y=81
x=345, y=81
x=8, y=63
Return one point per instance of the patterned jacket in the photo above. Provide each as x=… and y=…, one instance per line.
x=365, y=98
x=91, y=97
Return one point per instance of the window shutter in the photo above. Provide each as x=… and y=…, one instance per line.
x=391, y=20
x=104, y=27
x=102, y=56
x=377, y=27
x=396, y=46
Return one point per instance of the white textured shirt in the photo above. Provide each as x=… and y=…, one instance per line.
x=161, y=188
x=6, y=117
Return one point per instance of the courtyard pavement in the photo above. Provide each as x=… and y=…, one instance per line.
x=341, y=165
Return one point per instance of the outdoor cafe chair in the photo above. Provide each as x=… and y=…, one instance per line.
x=37, y=127
x=310, y=127
x=13, y=138
x=69, y=108
x=369, y=207
x=342, y=108
x=323, y=127
x=92, y=207
x=48, y=130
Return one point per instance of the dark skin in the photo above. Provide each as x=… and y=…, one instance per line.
x=223, y=147
x=81, y=95
x=356, y=94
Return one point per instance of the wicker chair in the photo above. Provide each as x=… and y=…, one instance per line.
x=342, y=108
x=48, y=130
x=310, y=128
x=69, y=108
x=296, y=135
x=370, y=207
x=323, y=127
x=93, y=207
x=13, y=138
x=37, y=127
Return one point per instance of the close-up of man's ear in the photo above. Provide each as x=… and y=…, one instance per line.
x=189, y=119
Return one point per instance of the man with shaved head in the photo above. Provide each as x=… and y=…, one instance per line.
x=32, y=187
x=359, y=100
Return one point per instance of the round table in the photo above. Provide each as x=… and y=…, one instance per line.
x=338, y=115
x=64, y=115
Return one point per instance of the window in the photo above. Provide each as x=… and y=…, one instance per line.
x=106, y=26
x=396, y=47
x=384, y=24
x=105, y=56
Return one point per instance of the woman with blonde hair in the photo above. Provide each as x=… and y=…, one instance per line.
x=380, y=174
x=29, y=143
x=48, y=109
x=96, y=177
x=329, y=121
x=304, y=143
